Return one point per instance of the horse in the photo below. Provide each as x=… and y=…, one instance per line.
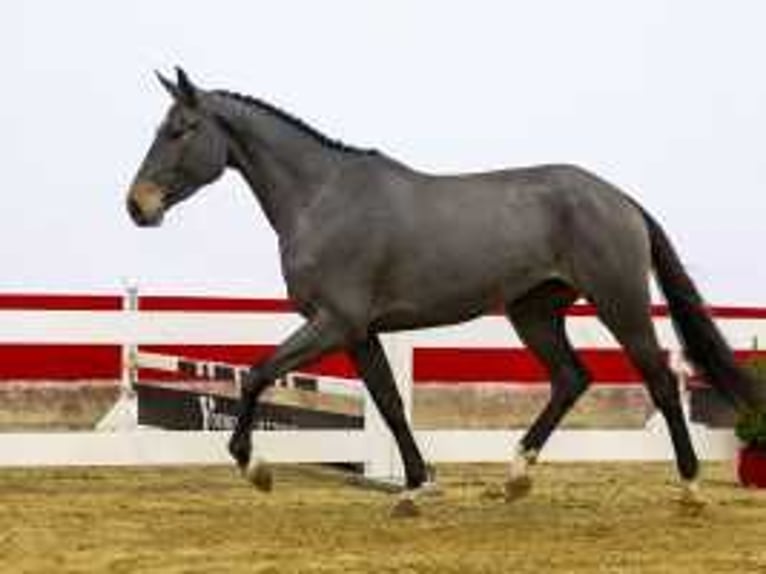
x=369, y=245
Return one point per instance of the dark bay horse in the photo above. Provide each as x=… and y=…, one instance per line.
x=369, y=245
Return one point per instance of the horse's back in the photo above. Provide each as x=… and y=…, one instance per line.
x=550, y=217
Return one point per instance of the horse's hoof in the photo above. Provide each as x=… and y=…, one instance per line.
x=405, y=508
x=691, y=503
x=259, y=474
x=691, y=500
x=431, y=490
x=516, y=488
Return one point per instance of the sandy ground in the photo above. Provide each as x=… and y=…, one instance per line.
x=614, y=518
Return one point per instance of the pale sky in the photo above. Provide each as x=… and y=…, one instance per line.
x=666, y=99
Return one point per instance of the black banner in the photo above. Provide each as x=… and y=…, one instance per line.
x=176, y=408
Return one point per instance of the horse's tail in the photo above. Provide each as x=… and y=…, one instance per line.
x=703, y=343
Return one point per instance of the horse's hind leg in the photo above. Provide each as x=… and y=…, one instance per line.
x=628, y=318
x=538, y=318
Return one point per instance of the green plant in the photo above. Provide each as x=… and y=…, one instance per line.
x=751, y=429
x=751, y=424
x=756, y=366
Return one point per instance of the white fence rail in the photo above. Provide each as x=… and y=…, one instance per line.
x=373, y=445
x=157, y=447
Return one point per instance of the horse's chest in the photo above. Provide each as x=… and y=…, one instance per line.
x=313, y=276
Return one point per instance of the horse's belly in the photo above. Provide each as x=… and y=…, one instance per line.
x=455, y=293
x=430, y=307
x=400, y=318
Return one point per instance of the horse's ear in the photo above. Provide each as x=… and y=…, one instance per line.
x=187, y=90
x=169, y=86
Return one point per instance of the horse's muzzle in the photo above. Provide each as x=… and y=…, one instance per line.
x=146, y=203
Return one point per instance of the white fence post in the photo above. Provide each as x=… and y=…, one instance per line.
x=124, y=413
x=384, y=462
x=129, y=348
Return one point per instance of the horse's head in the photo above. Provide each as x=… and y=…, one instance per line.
x=188, y=152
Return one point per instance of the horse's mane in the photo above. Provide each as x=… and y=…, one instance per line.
x=293, y=120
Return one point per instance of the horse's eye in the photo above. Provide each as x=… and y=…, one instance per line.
x=174, y=132
x=186, y=130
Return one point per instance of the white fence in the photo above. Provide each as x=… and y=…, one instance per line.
x=373, y=445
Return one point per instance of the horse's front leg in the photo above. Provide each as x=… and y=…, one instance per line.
x=373, y=367
x=320, y=335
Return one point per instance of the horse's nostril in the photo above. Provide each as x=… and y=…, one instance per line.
x=145, y=203
x=140, y=217
x=135, y=212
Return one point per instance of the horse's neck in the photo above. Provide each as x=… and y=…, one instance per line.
x=283, y=166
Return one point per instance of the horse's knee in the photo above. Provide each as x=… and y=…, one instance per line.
x=254, y=381
x=569, y=386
